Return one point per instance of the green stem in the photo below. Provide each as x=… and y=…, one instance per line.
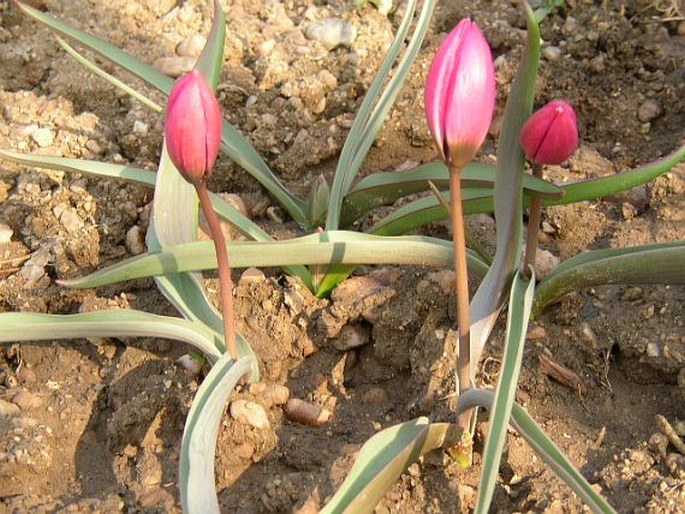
x=534, y=214
x=461, y=283
x=225, y=282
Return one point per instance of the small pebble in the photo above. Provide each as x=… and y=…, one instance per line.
x=191, y=365
x=587, y=336
x=140, y=128
x=375, y=396
x=332, y=32
x=552, y=53
x=545, y=262
x=653, y=349
x=649, y=111
x=547, y=228
x=7, y=408
x=273, y=394
x=306, y=413
x=135, y=240
x=252, y=275
x=351, y=336
x=192, y=46
x=95, y=147
x=43, y=137
x=536, y=333
x=5, y=234
x=175, y=66
x=26, y=401
x=249, y=413
x=71, y=221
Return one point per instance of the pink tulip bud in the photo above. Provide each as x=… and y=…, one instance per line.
x=550, y=135
x=192, y=126
x=460, y=94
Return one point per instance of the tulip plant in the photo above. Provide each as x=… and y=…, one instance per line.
x=459, y=101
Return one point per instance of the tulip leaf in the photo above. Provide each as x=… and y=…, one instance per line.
x=521, y=421
x=605, y=186
x=96, y=70
x=147, y=178
x=196, y=478
x=106, y=50
x=648, y=264
x=429, y=209
x=491, y=293
x=385, y=188
x=96, y=168
x=232, y=142
x=520, y=303
x=212, y=57
x=344, y=173
x=337, y=247
x=382, y=460
x=28, y=326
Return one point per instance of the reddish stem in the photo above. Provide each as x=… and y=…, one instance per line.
x=461, y=282
x=225, y=282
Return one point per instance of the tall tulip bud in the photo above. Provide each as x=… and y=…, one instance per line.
x=550, y=135
x=460, y=94
x=192, y=127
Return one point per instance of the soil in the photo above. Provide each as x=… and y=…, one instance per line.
x=95, y=426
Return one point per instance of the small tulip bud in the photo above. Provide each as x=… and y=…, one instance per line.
x=460, y=94
x=550, y=135
x=192, y=126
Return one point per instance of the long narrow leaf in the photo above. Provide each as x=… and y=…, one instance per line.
x=651, y=264
x=139, y=176
x=382, y=460
x=232, y=142
x=390, y=93
x=197, y=482
x=96, y=168
x=605, y=186
x=326, y=248
x=491, y=293
x=520, y=303
x=344, y=174
x=212, y=57
x=386, y=187
x=543, y=446
x=428, y=209
x=96, y=70
x=28, y=326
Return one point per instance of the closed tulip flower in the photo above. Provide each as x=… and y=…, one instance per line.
x=192, y=126
x=550, y=135
x=460, y=94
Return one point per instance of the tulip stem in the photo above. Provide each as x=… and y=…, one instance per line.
x=534, y=214
x=461, y=282
x=225, y=282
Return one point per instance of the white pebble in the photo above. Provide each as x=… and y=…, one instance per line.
x=552, y=53
x=175, y=66
x=249, y=413
x=135, y=242
x=5, y=234
x=43, y=137
x=332, y=32
x=192, y=46
x=140, y=128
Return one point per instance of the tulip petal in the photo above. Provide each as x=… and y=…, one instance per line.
x=460, y=93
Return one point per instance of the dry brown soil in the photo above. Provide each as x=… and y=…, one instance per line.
x=95, y=426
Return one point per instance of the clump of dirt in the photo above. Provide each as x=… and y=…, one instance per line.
x=96, y=425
